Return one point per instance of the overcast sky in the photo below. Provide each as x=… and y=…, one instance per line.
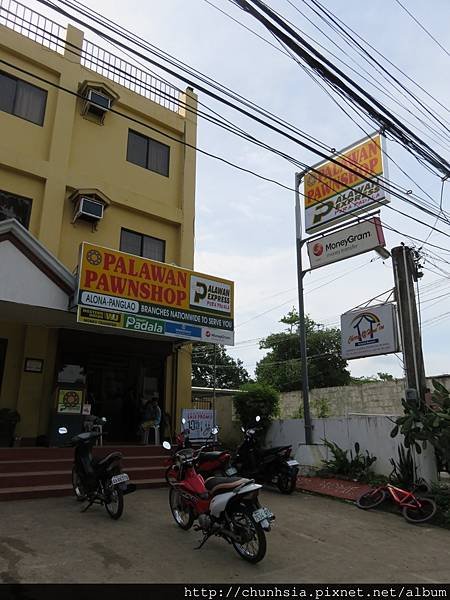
x=245, y=227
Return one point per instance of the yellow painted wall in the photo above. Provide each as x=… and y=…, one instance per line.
x=71, y=152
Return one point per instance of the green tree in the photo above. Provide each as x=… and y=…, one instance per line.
x=281, y=366
x=230, y=373
x=256, y=399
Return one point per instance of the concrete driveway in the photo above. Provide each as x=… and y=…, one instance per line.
x=315, y=539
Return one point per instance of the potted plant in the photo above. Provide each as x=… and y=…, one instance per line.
x=8, y=421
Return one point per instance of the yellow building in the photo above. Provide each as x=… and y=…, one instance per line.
x=94, y=150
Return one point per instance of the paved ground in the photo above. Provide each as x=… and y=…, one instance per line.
x=315, y=539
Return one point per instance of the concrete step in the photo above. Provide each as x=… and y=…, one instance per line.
x=65, y=464
x=22, y=454
x=51, y=478
x=28, y=493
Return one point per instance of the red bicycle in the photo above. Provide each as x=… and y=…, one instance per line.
x=414, y=509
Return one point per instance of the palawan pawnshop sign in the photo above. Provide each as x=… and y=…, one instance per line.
x=124, y=291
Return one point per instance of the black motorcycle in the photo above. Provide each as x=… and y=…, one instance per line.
x=267, y=465
x=98, y=480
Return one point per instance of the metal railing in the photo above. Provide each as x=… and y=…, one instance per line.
x=52, y=35
x=129, y=76
x=36, y=27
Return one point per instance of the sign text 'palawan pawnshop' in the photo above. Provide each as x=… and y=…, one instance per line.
x=129, y=292
x=350, y=241
x=335, y=191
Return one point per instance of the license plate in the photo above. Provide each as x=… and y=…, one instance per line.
x=231, y=471
x=262, y=513
x=292, y=463
x=119, y=479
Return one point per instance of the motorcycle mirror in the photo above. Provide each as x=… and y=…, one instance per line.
x=257, y=418
x=215, y=430
x=183, y=420
x=167, y=445
x=104, y=419
x=242, y=429
x=62, y=430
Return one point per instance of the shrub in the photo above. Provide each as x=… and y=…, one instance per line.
x=256, y=399
x=355, y=467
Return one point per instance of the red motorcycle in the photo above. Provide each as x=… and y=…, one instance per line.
x=210, y=461
x=226, y=507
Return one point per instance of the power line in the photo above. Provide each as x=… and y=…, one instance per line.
x=423, y=28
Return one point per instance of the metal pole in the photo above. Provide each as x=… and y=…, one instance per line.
x=214, y=385
x=301, y=312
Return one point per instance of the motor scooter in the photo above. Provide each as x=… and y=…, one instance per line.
x=210, y=461
x=268, y=465
x=226, y=507
x=98, y=480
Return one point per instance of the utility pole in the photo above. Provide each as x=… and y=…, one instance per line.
x=405, y=273
x=301, y=313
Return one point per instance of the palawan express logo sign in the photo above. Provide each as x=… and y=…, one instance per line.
x=333, y=193
x=129, y=292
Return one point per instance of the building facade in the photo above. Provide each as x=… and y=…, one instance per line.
x=92, y=149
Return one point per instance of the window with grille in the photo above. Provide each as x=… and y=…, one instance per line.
x=22, y=99
x=142, y=245
x=148, y=153
x=15, y=207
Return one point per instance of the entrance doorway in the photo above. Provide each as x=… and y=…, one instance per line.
x=121, y=373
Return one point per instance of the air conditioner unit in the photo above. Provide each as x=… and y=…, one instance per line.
x=96, y=103
x=88, y=209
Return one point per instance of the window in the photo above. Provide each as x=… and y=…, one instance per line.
x=22, y=99
x=3, y=346
x=15, y=207
x=142, y=245
x=148, y=153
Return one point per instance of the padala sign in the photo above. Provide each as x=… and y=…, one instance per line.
x=130, y=292
x=333, y=193
x=369, y=331
x=347, y=242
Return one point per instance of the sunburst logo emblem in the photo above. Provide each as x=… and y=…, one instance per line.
x=94, y=257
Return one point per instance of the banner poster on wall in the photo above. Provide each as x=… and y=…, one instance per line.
x=199, y=422
x=128, y=292
x=370, y=331
x=339, y=189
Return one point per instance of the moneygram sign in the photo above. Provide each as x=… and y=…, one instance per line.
x=137, y=294
x=333, y=193
x=347, y=242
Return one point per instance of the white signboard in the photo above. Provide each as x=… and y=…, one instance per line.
x=347, y=242
x=369, y=331
x=199, y=422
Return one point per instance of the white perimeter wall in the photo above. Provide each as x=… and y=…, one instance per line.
x=371, y=432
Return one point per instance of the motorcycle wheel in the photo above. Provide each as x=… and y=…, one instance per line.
x=253, y=546
x=113, y=501
x=181, y=511
x=77, y=486
x=287, y=483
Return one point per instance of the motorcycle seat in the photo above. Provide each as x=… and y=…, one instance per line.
x=220, y=485
x=210, y=455
x=100, y=462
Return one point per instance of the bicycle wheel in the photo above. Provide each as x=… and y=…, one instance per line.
x=425, y=510
x=371, y=498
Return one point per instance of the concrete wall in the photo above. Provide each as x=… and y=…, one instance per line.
x=371, y=432
x=383, y=397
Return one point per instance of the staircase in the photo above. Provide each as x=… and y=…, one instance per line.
x=45, y=472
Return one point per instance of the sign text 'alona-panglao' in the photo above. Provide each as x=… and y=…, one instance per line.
x=129, y=292
x=336, y=191
x=369, y=331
